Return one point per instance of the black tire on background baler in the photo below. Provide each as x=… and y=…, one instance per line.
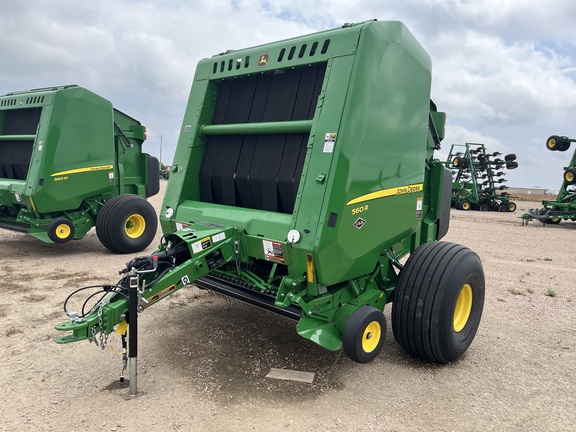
x=438, y=301
x=126, y=224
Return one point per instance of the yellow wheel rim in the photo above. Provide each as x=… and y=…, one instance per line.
x=135, y=226
x=551, y=143
x=463, y=307
x=465, y=206
x=569, y=176
x=455, y=162
x=371, y=336
x=63, y=231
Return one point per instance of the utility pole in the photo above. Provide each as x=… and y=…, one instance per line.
x=160, y=152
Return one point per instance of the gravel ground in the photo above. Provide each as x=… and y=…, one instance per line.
x=203, y=359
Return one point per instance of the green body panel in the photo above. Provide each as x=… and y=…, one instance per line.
x=82, y=152
x=369, y=190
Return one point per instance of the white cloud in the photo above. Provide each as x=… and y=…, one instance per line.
x=502, y=70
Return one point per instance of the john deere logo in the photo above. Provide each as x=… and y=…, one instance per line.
x=263, y=60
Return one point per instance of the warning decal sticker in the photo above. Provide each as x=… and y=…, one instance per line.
x=273, y=251
x=418, y=208
x=200, y=245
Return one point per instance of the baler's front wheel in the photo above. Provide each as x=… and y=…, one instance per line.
x=126, y=224
x=364, y=334
x=438, y=301
x=61, y=230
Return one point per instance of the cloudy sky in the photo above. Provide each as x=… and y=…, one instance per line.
x=503, y=70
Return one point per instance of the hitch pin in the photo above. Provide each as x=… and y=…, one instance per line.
x=74, y=318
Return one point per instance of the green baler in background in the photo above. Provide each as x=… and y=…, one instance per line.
x=69, y=161
x=304, y=174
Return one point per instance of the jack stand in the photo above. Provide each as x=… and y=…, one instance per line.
x=133, y=334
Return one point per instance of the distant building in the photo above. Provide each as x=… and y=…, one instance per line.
x=532, y=191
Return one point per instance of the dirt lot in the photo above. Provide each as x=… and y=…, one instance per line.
x=203, y=360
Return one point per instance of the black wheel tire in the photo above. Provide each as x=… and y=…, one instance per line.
x=465, y=205
x=510, y=157
x=126, y=224
x=438, y=301
x=461, y=162
x=503, y=208
x=458, y=205
x=557, y=143
x=364, y=334
x=570, y=176
x=484, y=207
x=61, y=230
x=511, y=165
x=511, y=207
x=553, y=220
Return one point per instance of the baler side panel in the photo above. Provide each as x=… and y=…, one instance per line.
x=131, y=166
x=377, y=200
x=78, y=152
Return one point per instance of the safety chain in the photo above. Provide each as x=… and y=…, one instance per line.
x=103, y=338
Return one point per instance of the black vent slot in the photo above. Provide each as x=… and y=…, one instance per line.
x=8, y=102
x=260, y=171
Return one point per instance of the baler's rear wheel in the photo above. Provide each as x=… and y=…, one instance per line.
x=61, y=230
x=511, y=207
x=126, y=224
x=465, y=205
x=438, y=301
x=364, y=334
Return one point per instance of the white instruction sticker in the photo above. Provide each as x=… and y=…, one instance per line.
x=218, y=237
x=329, y=140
